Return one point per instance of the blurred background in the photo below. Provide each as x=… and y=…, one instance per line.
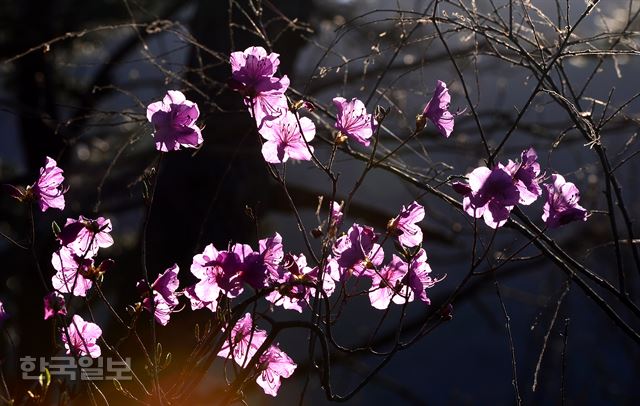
x=81, y=99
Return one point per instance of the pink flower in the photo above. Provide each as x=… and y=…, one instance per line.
x=85, y=236
x=353, y=121
x=357, y=252
x=526, y=176
x=165, y=300
x=284, y=138
x=562, y=205
x=48, y=188
x=253, y=67
x=174, y=119
x=490, y=194
x=3, y=314
x=405, y=225
x=386, y=284
x=417, y=280
x=336, y=214
x=274, y=364
x=296, y=277
x=437, y=109
x=218, y=272
x=258, y=268
x=54, y=304
x=243, y=341
x=272, y=253
x=83, y=336
x=268, y=105
x=196, y=302
x=71, y=270
x=252, y=76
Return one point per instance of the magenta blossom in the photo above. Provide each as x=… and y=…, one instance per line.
x=526, y=176
x=386, y=284
x=405, y=225
x=269, y=105
x=48, y=188
x=353, y=121
x=272, y=253
x=252, y=76
x=273, y=365
x=562, y=205
x=243, y=341
x=54, y=304
x=286, y=139
x=490, y=194
x=83, y=336
x=165, y=300
x=293, y=272
x=3, y=314
x=174, y=119
x=336, y=214
x=357, y=252
x=71, y=270
x=85, y=236
x=296, y=278
x=417, y=280
x=258, y=268
x=437, y=109
x=218, y=272
x=196, y=302
x=253, y=66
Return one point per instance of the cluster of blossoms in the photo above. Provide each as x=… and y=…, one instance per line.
x=492, y=193
x=243, y=343
x=76, y=271
x=286, y=279
x=79, y=241
x=286, y=135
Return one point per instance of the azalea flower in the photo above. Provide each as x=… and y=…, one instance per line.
x=48, y=188
x=562, y=205
x=85, y=236
x=526, y=175
x=252, y=73
x=417, y=280
x=353, y=121
x=83, y=336
x=437, y=109
x=405, y=225
x=386, y=284
x=274, y=364
x=165, y=300
x=284, y=138
x=174, y=119
x=3, y=314
x=357, y=251
x=296, y=276
x=336, y=214
x=243, y=341
x=253, y=66
x=54, y=304
x=258, y=268
x=218, y=272
x=71, y=270
x=272, y=253
x=490, y=194
x=196, y=302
